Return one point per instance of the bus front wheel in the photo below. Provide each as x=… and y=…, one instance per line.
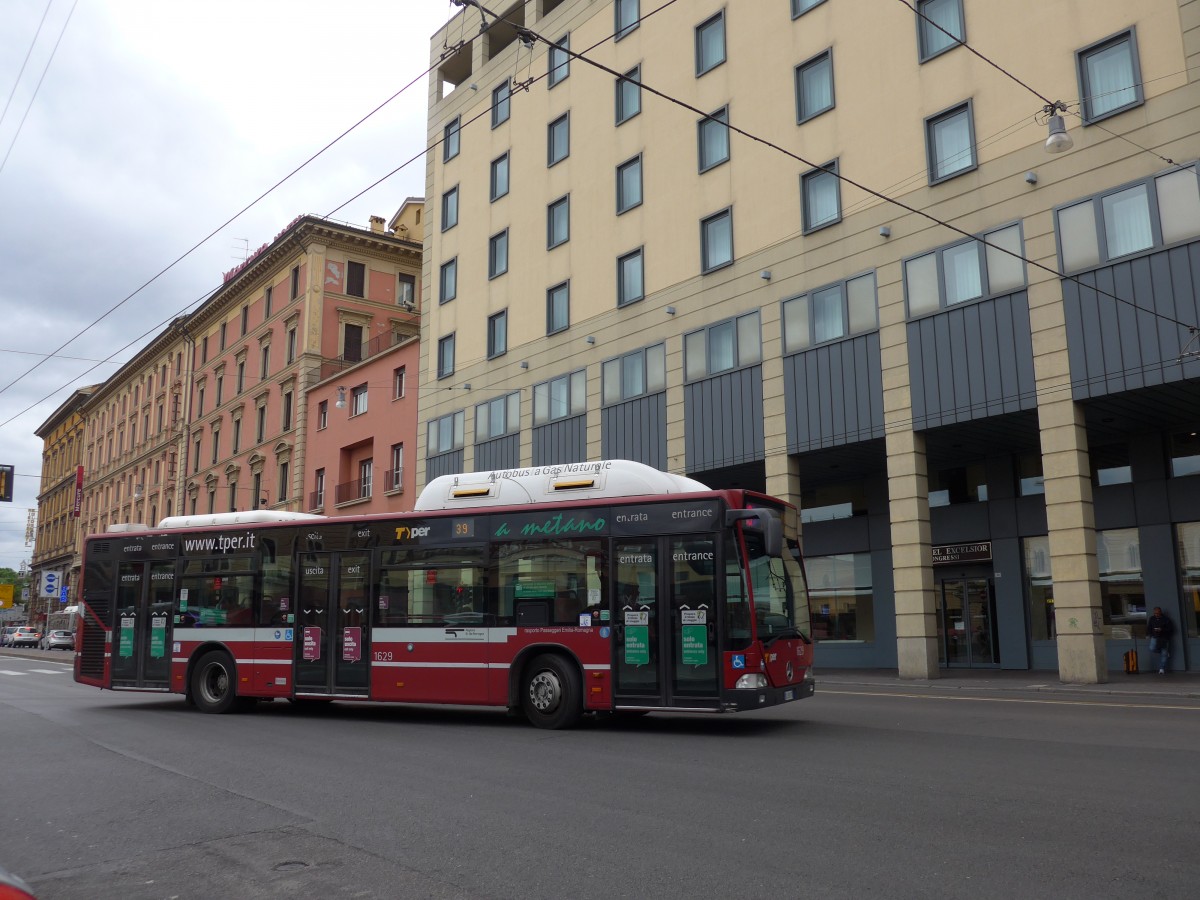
x=214, y=683
x=551, y=694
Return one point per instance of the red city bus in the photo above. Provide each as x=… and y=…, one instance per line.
x=555, y=591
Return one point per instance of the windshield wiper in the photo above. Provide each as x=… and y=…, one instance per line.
x=788, y=632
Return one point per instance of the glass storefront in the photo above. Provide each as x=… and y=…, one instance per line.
x=1189, y=576
x=1039, y=588
x=1119, y=558
x=843, y=603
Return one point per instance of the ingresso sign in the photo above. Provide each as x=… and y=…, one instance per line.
x=948, y=554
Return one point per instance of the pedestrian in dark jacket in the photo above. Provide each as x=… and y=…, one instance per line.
x=1159, y=629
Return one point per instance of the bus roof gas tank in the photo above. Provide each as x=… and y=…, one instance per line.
x=548, y=484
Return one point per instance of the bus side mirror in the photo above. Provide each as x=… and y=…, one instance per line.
x=764, y=521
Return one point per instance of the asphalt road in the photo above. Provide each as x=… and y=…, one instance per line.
x=859, y=792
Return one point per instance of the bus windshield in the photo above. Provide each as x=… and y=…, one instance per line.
x=780, y=590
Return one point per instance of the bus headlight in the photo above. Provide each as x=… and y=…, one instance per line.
x=751, y=682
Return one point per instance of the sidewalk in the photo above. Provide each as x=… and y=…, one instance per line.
x=1179, y=685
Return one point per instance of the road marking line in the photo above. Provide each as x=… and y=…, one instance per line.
x=10, y=672
x=1011, y=700
x=49, y=671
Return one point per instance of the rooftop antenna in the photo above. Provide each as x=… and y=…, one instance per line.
x=245, y=255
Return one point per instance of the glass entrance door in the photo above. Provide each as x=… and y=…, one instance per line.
x=332, y=634
x=143, y=617
x=664, y=623
x=967, y=624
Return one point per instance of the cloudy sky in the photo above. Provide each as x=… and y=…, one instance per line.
x=155, y=122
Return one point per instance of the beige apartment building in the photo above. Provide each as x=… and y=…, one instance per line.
x=56, y=544
x=820, y=248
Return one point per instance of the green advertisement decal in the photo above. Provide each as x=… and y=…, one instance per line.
x=695, y=645
x=637, y=645
x=158, y=637
x=125, y=646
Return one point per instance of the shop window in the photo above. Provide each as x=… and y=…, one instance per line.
x=841, y=597
x=1029, y=475
x=1189, y=573
x=1039, y=588
x=1122, y=593
x=1110, y=465
x=961, y=484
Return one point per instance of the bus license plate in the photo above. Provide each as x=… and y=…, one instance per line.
x=789, y=695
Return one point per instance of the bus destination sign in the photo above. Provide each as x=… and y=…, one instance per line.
x=948, y=554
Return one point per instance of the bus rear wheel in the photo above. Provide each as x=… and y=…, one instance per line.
x=214, y=683
x=551, y=694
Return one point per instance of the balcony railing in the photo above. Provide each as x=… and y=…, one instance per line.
x=354, y=355
x=394, y=479
x=352, y=490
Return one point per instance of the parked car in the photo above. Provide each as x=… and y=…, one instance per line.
x=58, y=639
x=26, y=636
x=6, y=639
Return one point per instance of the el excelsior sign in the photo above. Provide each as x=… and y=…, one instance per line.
x=962, y=553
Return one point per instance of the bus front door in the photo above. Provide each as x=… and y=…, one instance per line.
x=332, y=649
x=142, y=627
x=664, y=634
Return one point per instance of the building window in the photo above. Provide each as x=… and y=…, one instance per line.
x=445, y=433
x=199, y=403
x=558, y=222
x=445, y=356
x=558, y=307
x=266, y=305
x=636, y=374
x=449, y=209
x=233, y=496
x=216, y=445
x=934, y=19
x=960, y=484
x=358, y=400
x=1039, y=588
x=558, y=141
x=285, y=483
x=322, y=415
x=356, y=279
x=501, y=104
x=396, y=469
x=1110, y=465
x=968, y=270
x=1185, y=454
x=1122, y=592
x=287, y=411
x=260, y=424
x=1189, y=571
x=319, y=490
x=820, y=190
x=710, y=43
x=291, y=345
x=399, y=383
x=1030, y=480
x=352, y=342
x=800, y=7
x=560, y=398
x=814, y=86
x=295, y=282
x=722, y=347
x=713, y=143
x=204, y=350
x=1109, y=77
x=841, y=596
x=406, y=291
x=264, y=361
x=497, y=334
x=1155, y=212
x=498, y=417
x=366, y=472
x=825, y=503
x=224, y=329
x=629, y=185
x=448, y=281
x=950, y=143
x=630, y=278
x=245, y=318
x=499, y=178
x=626, y=17
x=560, y=61
x=196, y=457
x=450, y=140
x=241, y=375
x=830, y=313
x=236, y=437
x=629, y=95
x=716, y=241
x=498, y=254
